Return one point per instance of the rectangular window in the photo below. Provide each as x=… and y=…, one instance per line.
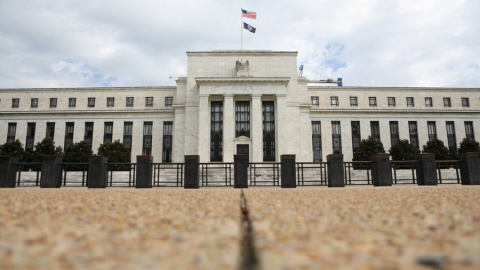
x=12, y=130
x=91, y=102
x=413, y=131
x=50, y=130
x=428, y=102
x=432, y=130
x=469, y=130
x=446, y=102
x=334, y=101
x=465, y=102
x=69, y=127
x=30, y=136
x=110, y=101
x=34, y=103
x=72, y=102
x=394, y=134
x=149, y=102
x=315, y=101
x=147, y=138
x=88, y=136
x=391, y=102
x=216, y=131
x=108, y=132
x=167, y=141
x=353, y=101
x=355, y=135
x=317, y=141
x=127, y=134
x=53, y=102
x=268, y=131
x=372, y=101
x=452, y=140
x=242, y=119
x=337, y=137
x=129, y=102
x=375, y=129
x=410, y=102
x=15, y=102
x=168, y=101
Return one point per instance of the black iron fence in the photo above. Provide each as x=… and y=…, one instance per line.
x=216, y=174
x=403, y=171
x=168, y=174
x=121, y=174
x=264, y=174
x=74, y=174
x=358, y=172
x=448, y=171
x=311, y=173
x=27, y=174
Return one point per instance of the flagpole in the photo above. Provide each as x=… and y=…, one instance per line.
x=241, y=29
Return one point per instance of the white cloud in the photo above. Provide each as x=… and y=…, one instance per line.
x=55, y=43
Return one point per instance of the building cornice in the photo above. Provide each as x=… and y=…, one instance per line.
x=241, y=80
x=424, y=111
x=389, y=89
x=89, y=89
x=242, y=53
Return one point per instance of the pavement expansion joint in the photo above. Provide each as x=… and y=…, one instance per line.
x=248, y=254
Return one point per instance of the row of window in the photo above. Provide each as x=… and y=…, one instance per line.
x=107, y=135
x=72, y=102
x=375, y=132
x=372, y=101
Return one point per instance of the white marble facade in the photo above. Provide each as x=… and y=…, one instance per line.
x=214, y=76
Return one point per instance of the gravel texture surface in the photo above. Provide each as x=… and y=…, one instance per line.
x=399, y=227
x=119, y=228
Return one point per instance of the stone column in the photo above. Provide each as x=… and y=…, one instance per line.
x=426, y=169
x=97, y=172
x=381, y=170
x=240, y=171
x=144, y=172
x=282, y=140
x=256, y=128
x=191, y=176
x=470, y=168
x=204, y=129
x=7, y=171
x=336, y=174
x=51, y=172
x=288, y=171
x=228, y=128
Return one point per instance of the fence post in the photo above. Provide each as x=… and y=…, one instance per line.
x=288, y=171
x=144, y=172
x=191, y=171
x=97, y=172
x=336, y=176
x=470, y=168
x=51, y=172
x=7, y=171
x=381, y=170
x=426, y=169
x=240, y=176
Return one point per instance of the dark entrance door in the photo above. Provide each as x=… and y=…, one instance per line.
x=242, y=149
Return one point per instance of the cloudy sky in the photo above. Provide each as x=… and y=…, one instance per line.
x=83, y=43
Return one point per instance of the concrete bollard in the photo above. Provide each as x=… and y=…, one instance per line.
x=426, y=170
x=381, y=170
x=7, y=171
x=144, y=172
x=240, y=174
x=51, y=172
x=97, y=172
x=336, y=174
x=288, y=171
x=191, y=171
x=470, y=168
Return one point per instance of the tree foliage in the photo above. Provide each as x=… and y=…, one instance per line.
x=469, y=145
x=115, y=151
x=438, y=148
x=78, y=152
x=367, y=148
x=12, y=149
x=403, y=150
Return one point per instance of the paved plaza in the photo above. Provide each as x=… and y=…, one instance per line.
x=356, y=227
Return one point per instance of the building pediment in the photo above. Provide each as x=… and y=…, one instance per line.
x=242, y=138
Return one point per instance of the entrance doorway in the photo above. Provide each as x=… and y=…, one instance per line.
x=242, y=149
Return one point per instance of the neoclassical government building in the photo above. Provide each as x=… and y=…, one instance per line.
x=245, y=102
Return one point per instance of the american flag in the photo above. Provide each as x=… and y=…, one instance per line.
x=249, y=14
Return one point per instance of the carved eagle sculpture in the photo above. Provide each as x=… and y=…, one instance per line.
x=242, y=66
